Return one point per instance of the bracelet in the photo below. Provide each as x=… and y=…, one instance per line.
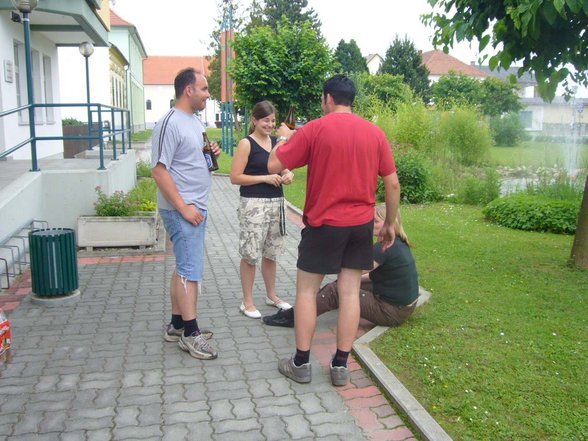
x=282, y=138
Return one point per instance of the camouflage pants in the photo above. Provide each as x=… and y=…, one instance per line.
x=259, y=221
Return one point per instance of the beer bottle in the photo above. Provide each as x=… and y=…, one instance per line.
x=209, y=154
x=290, y=120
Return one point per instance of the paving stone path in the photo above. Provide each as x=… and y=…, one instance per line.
x=100, y=370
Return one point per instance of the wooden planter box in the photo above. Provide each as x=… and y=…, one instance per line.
x=124, y=231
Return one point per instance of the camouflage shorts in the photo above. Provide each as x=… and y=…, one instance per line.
x=259, y=221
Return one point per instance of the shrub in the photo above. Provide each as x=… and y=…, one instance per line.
x=507, y=130
x=559, y=187
x=143, y=169
x=479, y=191
x=117, y=204
x=465, y=135
x=414, y=174
x=413, y=126
x=141, y=198
x=375, y=91
x=71, y=122
x=534, y=213
x=144, y=196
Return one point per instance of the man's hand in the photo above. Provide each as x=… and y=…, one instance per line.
x=192, y=214
x=284, y=131
x=287, y=178
x=386, y=235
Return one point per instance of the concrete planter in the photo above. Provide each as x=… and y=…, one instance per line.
x=124, y=231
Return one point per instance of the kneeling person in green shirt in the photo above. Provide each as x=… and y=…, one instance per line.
x=389, y=292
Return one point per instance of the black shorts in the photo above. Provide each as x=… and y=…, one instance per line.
x=326, y=249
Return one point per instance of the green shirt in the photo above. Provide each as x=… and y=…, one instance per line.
x=395, y=280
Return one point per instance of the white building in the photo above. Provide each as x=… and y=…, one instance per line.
x=115, y=71
x=159, y=75
x=374, y=61
x=53, y=24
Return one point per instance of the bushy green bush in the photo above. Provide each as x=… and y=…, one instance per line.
x=413, y=126
x=375, y=92
x=534, y=213
x=465, y=135
x=140, y=199
x=144, y=196
x=71, y=122
x=414, y=174
x=474, y=190
x=143, y=169
x=507, y=130
x=117, y=204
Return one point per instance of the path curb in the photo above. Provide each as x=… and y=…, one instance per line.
x=418, y=416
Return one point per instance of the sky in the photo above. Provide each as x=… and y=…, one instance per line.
x=183, y=27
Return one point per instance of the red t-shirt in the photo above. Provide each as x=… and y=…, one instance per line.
x=345, y=155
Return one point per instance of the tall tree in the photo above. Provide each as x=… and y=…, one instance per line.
x=546, y=36
x=499, y=97
x=349, y=57
x=492, y=96
x=295, y=11
x=402, y=58
x=286, y=67
x=455, y=90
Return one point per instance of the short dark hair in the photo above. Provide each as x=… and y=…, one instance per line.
x=184, y=78
x=341, y=88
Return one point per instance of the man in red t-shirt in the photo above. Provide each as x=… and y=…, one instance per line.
x=345, y=155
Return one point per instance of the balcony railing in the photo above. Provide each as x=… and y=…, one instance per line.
x=118, y=126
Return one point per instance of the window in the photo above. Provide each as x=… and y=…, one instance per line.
x=23, y=117
x=526, y=118
x=48, y=87
x=148, y=104
x=37, y=90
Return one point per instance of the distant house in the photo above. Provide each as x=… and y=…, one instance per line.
x=374, y=61
x=439, y=63
x=159, y=75
x=116, y=74
x=556, y=118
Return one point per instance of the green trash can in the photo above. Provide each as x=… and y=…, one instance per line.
x=54, y=262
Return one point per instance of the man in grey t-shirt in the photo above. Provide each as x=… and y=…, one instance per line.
x=183, y=180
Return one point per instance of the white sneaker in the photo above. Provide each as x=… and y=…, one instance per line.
x=280, y=304
x=255, y=314
x=197, y=347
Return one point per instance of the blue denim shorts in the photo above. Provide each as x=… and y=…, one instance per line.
x=188, y=243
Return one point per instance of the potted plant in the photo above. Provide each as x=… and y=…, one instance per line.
x=121, y=220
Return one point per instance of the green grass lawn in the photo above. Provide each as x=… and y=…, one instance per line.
x=535, y=154
x=141, y=136
x=499, y=353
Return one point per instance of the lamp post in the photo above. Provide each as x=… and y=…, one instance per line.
x=87, y=49
x=25, y=7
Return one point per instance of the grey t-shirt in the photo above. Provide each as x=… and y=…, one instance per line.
x=177, y=144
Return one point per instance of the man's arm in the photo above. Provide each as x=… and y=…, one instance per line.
x=168, y=188
x=392, y=198
x=274, y=165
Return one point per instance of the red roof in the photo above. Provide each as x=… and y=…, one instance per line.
x=115, y=20
x=163, y=70
x=439, y=63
